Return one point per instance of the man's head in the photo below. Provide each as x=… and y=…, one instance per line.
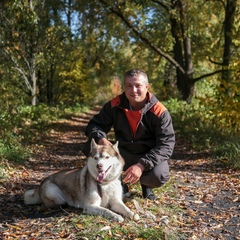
x=136, y=87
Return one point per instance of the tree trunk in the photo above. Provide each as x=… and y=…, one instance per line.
x=49, y=84
x=228, y=28
x=182, y=52
x=69, y=12
x=34, y=84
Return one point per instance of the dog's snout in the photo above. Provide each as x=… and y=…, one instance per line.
x=99, y=166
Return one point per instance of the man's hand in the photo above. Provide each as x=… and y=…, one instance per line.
x=104, y=141
x=133, y=173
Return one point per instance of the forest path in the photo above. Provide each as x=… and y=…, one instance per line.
x=209, y=196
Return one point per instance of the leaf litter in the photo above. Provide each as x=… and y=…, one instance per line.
x=209, y=196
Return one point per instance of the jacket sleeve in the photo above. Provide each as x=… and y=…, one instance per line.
x=100, y=124
x=165, y=141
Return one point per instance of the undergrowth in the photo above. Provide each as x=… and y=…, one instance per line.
x=24, y=125
x=195, y=122
x=198, y=124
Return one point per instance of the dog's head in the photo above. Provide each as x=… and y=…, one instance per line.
x=104, y=162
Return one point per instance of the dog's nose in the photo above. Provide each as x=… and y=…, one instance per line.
x=99, y=166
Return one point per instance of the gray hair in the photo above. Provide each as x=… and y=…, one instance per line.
x=136, y=72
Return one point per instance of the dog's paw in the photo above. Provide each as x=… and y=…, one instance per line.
x=117, y=218
x=135, y=217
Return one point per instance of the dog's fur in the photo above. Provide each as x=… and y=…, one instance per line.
x=92, y=188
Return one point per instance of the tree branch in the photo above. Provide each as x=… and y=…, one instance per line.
x=19, y=69
x=217, y=63
x=144, y=39
x=208, y=75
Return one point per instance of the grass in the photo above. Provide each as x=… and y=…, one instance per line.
x=3, y=171
x=228, y=151
x=158, y=220
x=78, y=226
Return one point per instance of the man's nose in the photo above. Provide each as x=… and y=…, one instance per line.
x=134, y=89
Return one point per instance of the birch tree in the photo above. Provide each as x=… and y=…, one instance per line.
x=20, y=35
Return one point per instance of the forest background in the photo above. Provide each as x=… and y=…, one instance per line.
x=62, y=55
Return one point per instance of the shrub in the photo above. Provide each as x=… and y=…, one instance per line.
x=197, y=123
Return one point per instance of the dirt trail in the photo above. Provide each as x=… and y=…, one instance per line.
x=210, y=196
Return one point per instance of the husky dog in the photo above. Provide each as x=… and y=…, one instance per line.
x=92, y=188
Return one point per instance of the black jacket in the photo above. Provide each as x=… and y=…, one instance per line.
x=144, y=136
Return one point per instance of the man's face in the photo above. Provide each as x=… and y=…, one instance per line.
x=136, y=89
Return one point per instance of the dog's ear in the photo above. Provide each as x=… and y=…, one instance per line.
x=115, y=147
x=93, y=144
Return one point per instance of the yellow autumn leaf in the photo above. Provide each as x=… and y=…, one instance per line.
x=79, y=225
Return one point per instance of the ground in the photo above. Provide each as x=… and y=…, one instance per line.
x=209, y=195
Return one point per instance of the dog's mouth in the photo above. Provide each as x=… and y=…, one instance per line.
x=101, y=175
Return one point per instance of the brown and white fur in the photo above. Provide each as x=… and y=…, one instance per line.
x=95, y=188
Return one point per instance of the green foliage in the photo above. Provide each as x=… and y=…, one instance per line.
x=71, y=57
x=10, y=146
x=197, y=123
x=228, y=152
x=76, y=84
x=228, y=102
x=17, y=129
x=24, y=125
x=212, y=121
x=11, y=149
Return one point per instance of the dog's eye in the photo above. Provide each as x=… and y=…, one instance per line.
x=107, y=157
x=96, y=158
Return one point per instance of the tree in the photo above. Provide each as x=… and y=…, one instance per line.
x=177, y=12
x=47, y=41
x=20, y=37
x=31, y=34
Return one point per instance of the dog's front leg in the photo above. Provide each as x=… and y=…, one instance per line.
x=120, y=207
x=96, y=210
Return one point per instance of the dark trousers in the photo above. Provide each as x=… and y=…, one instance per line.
x=157, y=176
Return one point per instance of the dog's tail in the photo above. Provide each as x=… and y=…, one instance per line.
x=32, y=197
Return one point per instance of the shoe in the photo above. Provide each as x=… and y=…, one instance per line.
x=148, y=193
x=126, y=193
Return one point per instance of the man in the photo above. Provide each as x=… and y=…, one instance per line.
x=143, y=128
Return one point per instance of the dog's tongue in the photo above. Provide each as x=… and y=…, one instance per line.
x=101, y=176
